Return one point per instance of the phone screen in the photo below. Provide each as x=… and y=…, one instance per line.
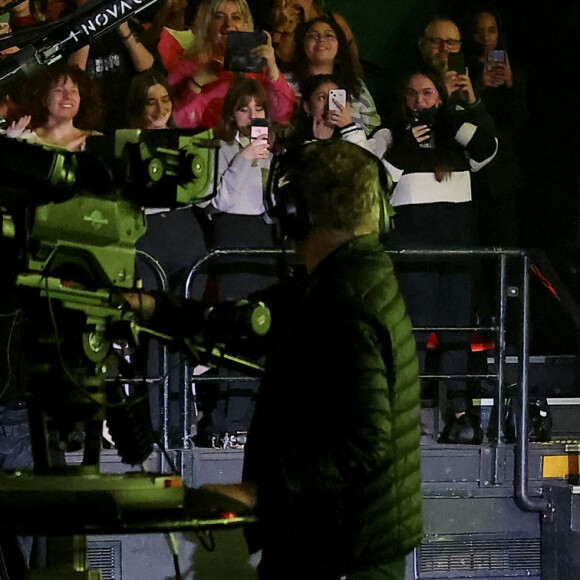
x=239, y=47
x=456, y=62
x=259, y=128
x=496, y=56
x=338, y=95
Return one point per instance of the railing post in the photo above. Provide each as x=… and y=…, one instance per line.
x=501, y=352
x=523, y=500
x=162, y=283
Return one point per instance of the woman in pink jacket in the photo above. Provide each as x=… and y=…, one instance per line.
x=201, y=82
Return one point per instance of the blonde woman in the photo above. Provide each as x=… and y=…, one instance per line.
x=200, y=80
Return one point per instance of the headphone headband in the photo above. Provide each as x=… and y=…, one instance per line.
x=284, y=197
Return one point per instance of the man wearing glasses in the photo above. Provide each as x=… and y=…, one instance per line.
x=442, y=37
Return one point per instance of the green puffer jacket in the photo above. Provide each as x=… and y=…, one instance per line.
x=334, y=444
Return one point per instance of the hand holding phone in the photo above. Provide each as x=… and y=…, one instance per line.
x=421, y=123
x=259, y=148
x=494, y=56
x=497, y=71
x=239, y=47
x=259, y=128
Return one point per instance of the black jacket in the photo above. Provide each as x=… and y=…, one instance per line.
x=334, y=444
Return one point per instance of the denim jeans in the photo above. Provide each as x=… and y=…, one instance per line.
x=15, y=453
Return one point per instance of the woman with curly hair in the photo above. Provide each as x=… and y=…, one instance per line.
x=322, y=49
x=286, y=15
x=61, y=108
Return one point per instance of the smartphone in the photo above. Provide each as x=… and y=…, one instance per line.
x=259, y=128
x=494, y=56
x=423, y=117
x=456, y=62
x=338, y=95
x=239, y=47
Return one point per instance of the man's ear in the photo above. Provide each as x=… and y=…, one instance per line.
x=420, y=44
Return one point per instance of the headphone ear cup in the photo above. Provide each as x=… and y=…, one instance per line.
x=284, y=200
x=295, y=222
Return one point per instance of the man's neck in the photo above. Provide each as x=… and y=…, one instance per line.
x=320, y=243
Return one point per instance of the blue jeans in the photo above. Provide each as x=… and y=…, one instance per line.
x=15, y=453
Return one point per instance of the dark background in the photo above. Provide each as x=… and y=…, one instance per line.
x=543, y=44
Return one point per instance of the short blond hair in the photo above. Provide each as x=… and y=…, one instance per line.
x=203, y=19
x=340, y=185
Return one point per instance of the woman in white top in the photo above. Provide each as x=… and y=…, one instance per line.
x=237, y=213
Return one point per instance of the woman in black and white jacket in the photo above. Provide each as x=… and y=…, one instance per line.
x=434, y=150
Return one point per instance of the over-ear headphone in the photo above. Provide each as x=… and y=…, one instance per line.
x=284, y=197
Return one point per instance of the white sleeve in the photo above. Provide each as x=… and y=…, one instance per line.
x=240, y=180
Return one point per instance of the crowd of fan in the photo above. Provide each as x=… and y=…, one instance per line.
x=449, y=143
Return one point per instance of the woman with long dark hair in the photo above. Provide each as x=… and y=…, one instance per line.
x=318, y=121
x=322, y=48
x=502, y=89
x=149, y=103
x=286, y=15
x=435, y=148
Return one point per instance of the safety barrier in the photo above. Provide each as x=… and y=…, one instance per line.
x=162, y=377
x=505, y=290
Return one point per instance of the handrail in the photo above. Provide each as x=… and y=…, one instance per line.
x=521, y=494
x=187, y=370
x=163, y=284
x=522, y=498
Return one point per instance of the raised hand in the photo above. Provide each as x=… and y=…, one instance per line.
x=341, y=117
x=266, y=51
x=17, y=128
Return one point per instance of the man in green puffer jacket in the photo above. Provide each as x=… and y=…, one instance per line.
x=333, y=450
x=332, y=461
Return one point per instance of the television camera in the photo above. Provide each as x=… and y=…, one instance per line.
x=70, y=223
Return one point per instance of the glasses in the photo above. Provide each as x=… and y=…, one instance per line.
x=427, y=93
x=450, y=42
x=328, y=36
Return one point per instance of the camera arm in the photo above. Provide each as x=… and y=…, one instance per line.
x=45, y=45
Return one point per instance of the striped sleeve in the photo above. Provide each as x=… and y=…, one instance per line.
x=480, y=145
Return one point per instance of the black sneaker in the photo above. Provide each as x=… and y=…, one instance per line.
x=464, y=429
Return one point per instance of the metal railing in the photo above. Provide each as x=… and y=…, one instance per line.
x=504, y=291
x=162, y=377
